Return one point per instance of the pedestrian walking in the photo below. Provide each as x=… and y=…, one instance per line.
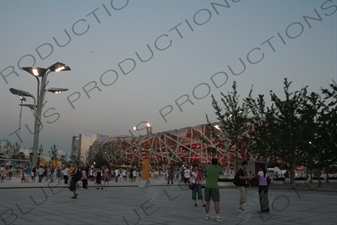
x=40, y=172
x=99, y=178
x=28, y=173
x=242, y=184
x=117, y=173
x=286, y=177
x=33, y=174
x=105, y=175
x=212, y=189
x=187, y=175
x=2, y=176
x=196, y=178
x=124, y=175
x=65, y=173
x=263, y=189
x=84, y=178
x=76, y=175
x=170, y=175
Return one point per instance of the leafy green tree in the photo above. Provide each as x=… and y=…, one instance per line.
x=278, y=129
x=233, y=121
x=329, y=127
x=53, y=153
x=99, y=161
x=312, y=123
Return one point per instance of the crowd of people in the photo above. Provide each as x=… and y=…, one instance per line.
x=191, y=177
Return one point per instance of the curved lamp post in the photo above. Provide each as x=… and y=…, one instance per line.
x=42, y=73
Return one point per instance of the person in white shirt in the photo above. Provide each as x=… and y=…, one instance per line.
x=187, y=175
x=135, y=174
x=40, y=172
x=117, y=172
x=124, y=175
x=65, y=174
x=263, y=189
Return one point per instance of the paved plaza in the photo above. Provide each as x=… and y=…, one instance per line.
x=126, y=203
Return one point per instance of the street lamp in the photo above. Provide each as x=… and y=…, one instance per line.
x=22, y=94
x=22, y=99
x=148, y=127
x=42, y=73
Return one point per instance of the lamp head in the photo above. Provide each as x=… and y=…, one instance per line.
x=23, y=99
x=21, y=93
x=57, y=90
x=31, y=106
x=57, y=67
x=35, y=71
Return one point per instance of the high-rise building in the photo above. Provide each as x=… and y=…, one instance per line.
x=82, y=143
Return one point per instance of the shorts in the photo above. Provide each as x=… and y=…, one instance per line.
x=212, y=192
x=72, y=186
x=243, y=194
x=186, y=180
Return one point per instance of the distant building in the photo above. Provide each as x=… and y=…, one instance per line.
x=183, y=145
x=82, y=144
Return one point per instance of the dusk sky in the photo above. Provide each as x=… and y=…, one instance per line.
x=155, y=61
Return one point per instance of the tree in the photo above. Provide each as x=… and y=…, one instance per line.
x=53, y=153
x=329, y=128
x=278, y=129
x=300, y=130
x=312, y=124
x=233, y=119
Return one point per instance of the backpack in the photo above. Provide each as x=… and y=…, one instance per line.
x=78, y=175
x=236, y=180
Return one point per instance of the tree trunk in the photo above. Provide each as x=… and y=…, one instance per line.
x=292, y=174
x=319, y=178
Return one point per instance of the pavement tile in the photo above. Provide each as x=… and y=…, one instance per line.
x=125, y=203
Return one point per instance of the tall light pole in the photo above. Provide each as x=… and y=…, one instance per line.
x=42, y=73
x=22, y=99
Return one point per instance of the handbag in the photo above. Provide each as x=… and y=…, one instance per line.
x=191, y=186
x=268, y=180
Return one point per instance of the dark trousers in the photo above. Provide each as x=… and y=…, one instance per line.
x=65, y=177
x=85, y=183
x=170, y=178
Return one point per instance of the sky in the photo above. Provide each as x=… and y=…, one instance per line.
x=155, y=61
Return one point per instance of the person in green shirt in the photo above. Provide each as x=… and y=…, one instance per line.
x=212, y=189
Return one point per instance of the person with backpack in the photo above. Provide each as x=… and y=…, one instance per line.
x=241, y=180
x=76, y=175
